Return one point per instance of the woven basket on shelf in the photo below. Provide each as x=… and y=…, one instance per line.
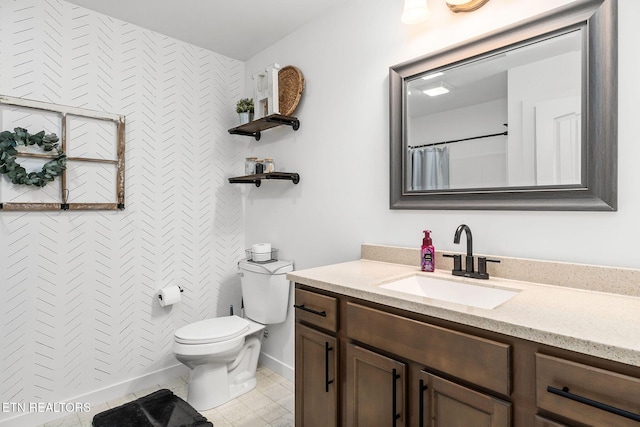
x=290, y=87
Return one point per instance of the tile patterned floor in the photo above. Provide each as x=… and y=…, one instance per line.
x=270, y=404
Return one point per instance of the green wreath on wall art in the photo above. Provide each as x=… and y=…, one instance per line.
x=16, y=173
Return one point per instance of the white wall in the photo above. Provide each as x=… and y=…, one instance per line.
x=342, y=148
x=78, y=312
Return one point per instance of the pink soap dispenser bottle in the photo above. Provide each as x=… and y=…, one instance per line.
x=428, y=253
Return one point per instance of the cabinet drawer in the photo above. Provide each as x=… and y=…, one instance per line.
x=477, y=360
x=585, y=393
x=316, y=309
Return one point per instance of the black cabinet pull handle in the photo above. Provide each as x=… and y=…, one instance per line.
x=310, y=310
x=394, y=393
x=565, y=393
x=327, y=349
x=423, y=388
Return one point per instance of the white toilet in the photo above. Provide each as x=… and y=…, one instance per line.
x=223, y=352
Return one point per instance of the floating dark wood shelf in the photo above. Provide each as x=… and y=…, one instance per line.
x=273, y=120
x=257, y=178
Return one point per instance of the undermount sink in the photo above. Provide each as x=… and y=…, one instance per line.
x=451, y=291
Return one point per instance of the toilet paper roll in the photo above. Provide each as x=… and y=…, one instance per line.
x=170, y=295
x=261, y=251
x=261, y=248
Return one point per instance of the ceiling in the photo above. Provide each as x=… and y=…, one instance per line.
x=235, y=28
x=481, y=80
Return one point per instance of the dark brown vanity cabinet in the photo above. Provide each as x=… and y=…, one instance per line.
x=375, y=389
x=361, y=364
x=316, y=373
x=378, y=394
x=432, y=401
x=316, y=360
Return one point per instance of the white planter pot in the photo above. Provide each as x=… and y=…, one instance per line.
x=245, y=117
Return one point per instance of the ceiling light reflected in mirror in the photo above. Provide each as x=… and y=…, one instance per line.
x=438, y=90
x=432, y=76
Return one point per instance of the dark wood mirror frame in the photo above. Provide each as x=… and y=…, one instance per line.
x=600, y=125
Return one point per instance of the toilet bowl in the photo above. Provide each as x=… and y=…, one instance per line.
x=222, y=353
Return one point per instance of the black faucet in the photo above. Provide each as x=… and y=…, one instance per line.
x=456, y=239
x=469, y=260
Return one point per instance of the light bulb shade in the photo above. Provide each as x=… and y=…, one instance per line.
x=415, y=11
x=465, y=5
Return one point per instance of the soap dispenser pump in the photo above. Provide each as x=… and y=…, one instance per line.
x=428, y=253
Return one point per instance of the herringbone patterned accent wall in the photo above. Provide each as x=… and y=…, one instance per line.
x=77, y=289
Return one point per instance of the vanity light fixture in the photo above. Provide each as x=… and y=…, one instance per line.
x=465, y=5
x=415, y=11
x=440, y=89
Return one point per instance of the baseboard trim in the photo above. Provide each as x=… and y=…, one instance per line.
x=123, y=388
x=276, y=366
x=100, y=396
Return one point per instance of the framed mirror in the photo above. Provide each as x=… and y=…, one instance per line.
x=521, y=119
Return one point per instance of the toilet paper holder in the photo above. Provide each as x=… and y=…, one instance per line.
x=179, y=287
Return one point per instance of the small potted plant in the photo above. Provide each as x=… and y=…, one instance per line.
x=244, y=108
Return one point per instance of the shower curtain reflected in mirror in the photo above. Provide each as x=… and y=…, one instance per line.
x=429, y=168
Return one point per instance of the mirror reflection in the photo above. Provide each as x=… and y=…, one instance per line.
x=511, y=119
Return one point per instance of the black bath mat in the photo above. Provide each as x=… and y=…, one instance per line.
x=159, y=409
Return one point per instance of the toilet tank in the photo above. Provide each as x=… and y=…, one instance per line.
x=265, y=290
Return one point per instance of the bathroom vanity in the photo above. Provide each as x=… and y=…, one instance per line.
x=548, y=356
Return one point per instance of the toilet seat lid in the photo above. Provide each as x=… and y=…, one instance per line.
x=212, y=330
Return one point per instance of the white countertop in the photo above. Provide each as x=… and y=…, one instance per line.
x=600, y=324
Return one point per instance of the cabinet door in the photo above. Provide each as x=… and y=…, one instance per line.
x=375, y=387
x=316, y=373
x=447, y=404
